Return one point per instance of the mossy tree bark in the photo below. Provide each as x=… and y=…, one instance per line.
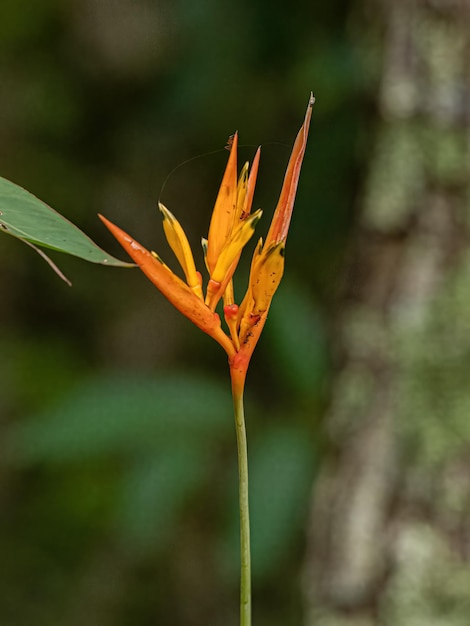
x=389, y=537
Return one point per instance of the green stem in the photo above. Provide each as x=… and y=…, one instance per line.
x=245, y=574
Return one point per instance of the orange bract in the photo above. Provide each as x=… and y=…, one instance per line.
x=231, y=227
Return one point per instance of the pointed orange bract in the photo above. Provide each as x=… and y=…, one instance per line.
x=224, y=209
x=283, y=213
x=231, y=227
x=172, y=287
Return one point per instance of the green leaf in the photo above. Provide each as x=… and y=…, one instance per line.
x=24, y=216
x=115, y=414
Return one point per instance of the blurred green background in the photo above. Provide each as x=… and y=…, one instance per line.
x=118, y=484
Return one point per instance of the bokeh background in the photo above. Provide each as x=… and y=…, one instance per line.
x=118, y=479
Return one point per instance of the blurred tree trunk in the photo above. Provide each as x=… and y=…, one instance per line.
x=389, y=536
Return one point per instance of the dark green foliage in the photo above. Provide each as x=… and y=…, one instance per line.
x=116, y=414
x=281, y=478
x=117, y=489
x=297, y=337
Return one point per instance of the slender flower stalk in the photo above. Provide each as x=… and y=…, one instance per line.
x=245, y=551
x=231, y=227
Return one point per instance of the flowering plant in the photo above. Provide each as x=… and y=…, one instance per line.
x=231, y=227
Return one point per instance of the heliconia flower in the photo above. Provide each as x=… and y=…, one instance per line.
x=231, y=227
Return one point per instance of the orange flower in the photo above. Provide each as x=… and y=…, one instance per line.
x=232, y=225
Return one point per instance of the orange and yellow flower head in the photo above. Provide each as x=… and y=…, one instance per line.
x=231, y=227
